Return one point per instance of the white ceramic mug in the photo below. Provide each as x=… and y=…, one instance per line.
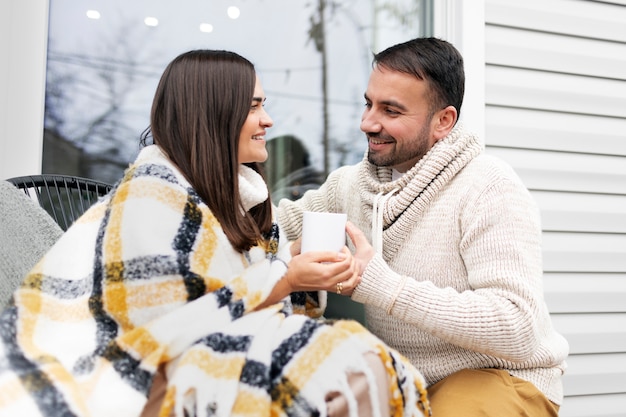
x=323, y=231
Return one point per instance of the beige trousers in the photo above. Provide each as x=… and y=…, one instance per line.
x=488, y=393
x=337, y=405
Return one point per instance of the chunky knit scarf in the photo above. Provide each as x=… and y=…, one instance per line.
x=146, y=279
x=411, y=193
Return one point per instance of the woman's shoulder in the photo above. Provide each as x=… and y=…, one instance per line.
x=153, y=164
x=153, y=176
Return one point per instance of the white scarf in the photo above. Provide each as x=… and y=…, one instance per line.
x=252, y=187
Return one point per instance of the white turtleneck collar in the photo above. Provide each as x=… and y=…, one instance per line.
x=252, y=187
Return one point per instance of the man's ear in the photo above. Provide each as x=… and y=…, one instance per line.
x=444, y=119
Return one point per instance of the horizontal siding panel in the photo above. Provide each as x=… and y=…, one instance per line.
x=555, y=53
x=584, y=252
x=531, y=129
x=555, y=107
x=595, y=374
x=609, y=405
x=585, y=293
x=576, y=212
x=577, y=18
x=513, y=87
x=593, y=333
x=561, y=171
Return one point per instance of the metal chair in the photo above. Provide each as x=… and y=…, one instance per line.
x=64, y=197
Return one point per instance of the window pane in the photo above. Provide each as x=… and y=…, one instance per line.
x=104, y=64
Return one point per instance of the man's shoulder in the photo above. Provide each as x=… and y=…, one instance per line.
x=347, y=169
x=344, y=175
x=489, y=172
x=487, y=167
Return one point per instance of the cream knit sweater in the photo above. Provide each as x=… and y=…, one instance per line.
x=457, y=278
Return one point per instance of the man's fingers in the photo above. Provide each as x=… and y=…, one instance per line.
x=356, y=235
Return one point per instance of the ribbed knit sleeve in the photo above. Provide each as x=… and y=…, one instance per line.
x=289, y=213
x=371, y=292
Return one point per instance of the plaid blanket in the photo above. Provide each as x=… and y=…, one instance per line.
x=146, y=279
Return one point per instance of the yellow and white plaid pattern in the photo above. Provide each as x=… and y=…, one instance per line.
x=147, y=277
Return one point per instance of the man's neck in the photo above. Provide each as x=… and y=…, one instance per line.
x=395, y=174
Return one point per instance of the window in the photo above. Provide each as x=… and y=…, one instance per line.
x=313, y=58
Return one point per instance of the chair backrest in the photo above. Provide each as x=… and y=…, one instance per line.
x=64, y=197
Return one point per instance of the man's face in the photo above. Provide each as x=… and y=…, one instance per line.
x=397, y=120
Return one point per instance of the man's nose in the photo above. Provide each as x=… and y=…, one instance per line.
x=369, y=122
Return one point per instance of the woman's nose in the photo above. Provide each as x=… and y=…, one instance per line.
x=266, y=120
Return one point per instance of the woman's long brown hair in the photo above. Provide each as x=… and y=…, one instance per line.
x=199, y=108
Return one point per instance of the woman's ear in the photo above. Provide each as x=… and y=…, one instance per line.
x=444, y=119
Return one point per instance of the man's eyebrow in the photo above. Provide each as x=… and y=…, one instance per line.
x=391, y=103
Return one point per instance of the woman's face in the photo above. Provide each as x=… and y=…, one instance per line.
x=252, y=136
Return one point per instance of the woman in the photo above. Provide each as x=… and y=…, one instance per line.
x=178, y=276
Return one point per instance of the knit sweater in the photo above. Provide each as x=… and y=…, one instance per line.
x=456, y=281
x=147, y=279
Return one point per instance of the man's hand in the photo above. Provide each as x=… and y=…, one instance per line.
x=296, y=247
x=364, y=252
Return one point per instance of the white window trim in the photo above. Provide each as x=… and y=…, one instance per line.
x=462, y=23
x=23, y=47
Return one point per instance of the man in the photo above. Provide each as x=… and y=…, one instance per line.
x=452, y=278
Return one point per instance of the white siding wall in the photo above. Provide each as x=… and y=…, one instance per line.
x=555, y=93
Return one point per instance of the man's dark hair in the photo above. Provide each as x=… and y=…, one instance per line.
x=432, y=60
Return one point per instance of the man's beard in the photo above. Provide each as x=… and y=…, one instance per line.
x=418, y=147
